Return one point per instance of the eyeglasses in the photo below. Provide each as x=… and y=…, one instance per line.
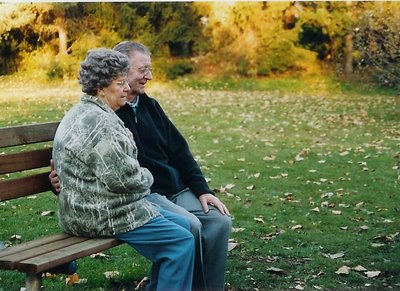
x=145, y=70
x=122, y=84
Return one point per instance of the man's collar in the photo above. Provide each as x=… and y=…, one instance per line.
x=135, y=103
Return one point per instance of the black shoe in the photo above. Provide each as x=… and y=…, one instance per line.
x=68, y=269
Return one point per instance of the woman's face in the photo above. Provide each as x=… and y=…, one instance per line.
x=114, y=95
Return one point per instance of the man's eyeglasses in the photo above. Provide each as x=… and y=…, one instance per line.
x=122, y=84
x=145, y=70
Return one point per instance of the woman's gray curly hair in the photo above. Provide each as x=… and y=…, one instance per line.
x=100, y=68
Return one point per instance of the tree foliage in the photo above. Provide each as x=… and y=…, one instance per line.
x=241, y=38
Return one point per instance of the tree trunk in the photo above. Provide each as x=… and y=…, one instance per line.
x=348, y=57
x=62, y=38
x=348, y=64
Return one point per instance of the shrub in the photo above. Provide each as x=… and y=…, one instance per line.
x=179, y=68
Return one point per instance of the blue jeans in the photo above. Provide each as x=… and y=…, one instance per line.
x=168, y=243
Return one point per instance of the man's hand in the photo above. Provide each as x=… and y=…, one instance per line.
x=53, y=177
x=208, y=198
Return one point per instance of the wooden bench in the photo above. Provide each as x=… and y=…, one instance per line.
x=45, y=253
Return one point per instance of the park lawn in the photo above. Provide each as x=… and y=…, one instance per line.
x=310, y=172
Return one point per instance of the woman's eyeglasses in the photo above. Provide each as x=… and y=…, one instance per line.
x=122, y=84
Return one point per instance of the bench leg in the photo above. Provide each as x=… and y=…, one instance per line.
x=33, y=282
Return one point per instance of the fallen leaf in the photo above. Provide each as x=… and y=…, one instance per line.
x=111, y=274
x=142, y=284
x=269, y=158
x=259, y=219
x=334, y=256
x=99, y=256
x=376, y=245
x=297, y=226
x=237, y=229
x=15, y=237
x=251, y=187
x=47, y=213
x=344, y=270
x=316, y=209
x=72, y=279
x=327, y=195
x=359, y=268
x=372, y=274
x=231, y=246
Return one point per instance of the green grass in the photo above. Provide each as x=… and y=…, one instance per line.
x=315, y=154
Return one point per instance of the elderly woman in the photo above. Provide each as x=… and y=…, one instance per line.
x=103, y=187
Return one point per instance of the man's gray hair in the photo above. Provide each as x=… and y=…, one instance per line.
x=100, y=68
x=128, y=48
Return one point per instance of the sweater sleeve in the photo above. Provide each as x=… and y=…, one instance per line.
x=115, y=166
x=182, y=159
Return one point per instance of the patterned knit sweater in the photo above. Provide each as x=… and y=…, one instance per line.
x=102, y=184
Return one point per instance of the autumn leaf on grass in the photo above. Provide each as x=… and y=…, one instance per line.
x=386, y=238
x=238, y=229
x=142, y=284
x=72, y=279
x=372, y=274
x=111, y=274
x=272, y=235
x=251, y=187
x=269, y=158
x=15, y=237
x=232, y=245
x=47, y=213
x=359, y=268
x=99, y=256
x=333, y=256
x=259, y=219
x=344, y=270
x=297, y=226
x=226, y=188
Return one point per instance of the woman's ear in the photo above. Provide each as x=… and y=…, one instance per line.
x=100, y=92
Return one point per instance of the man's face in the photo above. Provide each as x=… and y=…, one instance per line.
x=139, y=74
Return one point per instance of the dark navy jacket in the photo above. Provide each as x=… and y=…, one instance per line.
x=162, y=149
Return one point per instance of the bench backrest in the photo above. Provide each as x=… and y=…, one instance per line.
x=29, y=182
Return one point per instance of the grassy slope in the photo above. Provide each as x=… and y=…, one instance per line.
x=307, y=168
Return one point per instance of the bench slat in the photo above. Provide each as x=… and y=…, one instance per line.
x=26, y=134
x=25, y=161
x=11, y=262
x=32, y=244
x=20, y=187
x=62, y=256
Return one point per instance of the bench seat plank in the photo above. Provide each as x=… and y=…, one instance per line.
x=11, y=261
x=32, y=244
x=61, y=256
